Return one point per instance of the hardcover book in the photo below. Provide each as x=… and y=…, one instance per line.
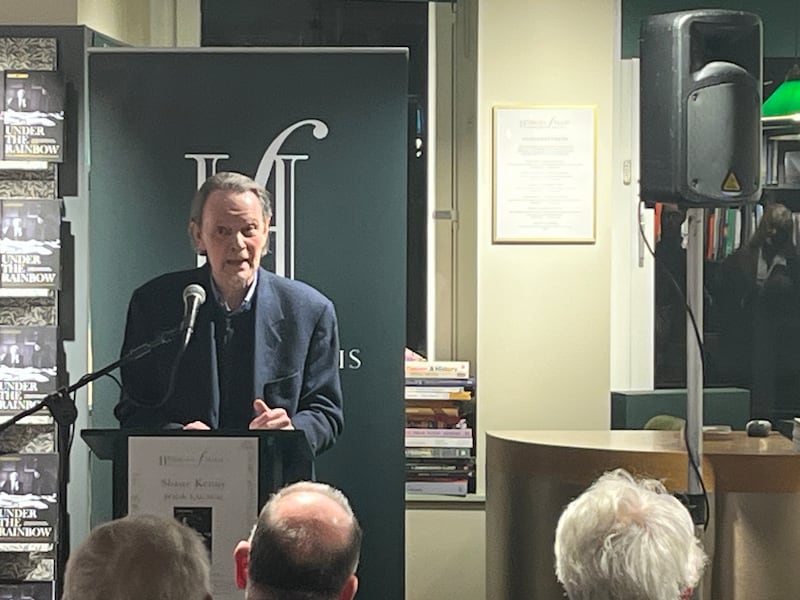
x=28, y=502
x=30, y=243
x=447, y=487
x=458, y=433
x=27, y=367
x=449, y=369
x=33, y=119
x=437, y=442
x=416, y=437
x=438, y=452
x=464, y=383
x=436, y=393
x=421, y=417
x=430, y=467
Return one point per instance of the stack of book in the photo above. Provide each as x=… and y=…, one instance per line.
x=439, y=445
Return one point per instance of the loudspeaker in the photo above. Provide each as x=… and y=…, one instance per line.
x=700, y=108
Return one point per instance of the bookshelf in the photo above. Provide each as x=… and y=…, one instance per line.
x=32, y=540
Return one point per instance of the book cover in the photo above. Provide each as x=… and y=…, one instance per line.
x=431, y=411
x=27, y=366
x=445, y=473
x=449, y=487
x=436, y=393
x=428, y=452
x=29, y=590
x=30, y=243
x=422, y=417
x=458, y=433
x=28, y=502
x=33, y=120
x=440, y=467
x=437, y=442
x=730, y=230
x=464, y=383
x=437, y=368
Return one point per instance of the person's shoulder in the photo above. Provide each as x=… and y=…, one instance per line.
x=174, y=280
x=293, y=289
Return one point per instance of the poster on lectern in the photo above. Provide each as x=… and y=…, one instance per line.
x=207, y=483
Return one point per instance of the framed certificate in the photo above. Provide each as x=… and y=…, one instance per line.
x=544, y=174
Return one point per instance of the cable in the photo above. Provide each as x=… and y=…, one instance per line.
x=114, y=378
x=693, y=460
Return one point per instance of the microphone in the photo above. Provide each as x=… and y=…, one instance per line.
x=193, y=297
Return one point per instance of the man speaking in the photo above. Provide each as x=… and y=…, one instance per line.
x=255, y=350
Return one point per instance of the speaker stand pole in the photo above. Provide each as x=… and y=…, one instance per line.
x=694, y=363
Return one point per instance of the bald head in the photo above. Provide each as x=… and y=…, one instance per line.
x=306, y=545
x=313, y=508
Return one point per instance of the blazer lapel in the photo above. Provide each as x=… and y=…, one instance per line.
x=267, y=335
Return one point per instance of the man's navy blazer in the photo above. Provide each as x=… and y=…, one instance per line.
x=295, y=358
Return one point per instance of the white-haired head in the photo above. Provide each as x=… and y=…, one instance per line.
x=627, y=539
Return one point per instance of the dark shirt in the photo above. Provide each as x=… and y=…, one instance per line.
x=234, y=339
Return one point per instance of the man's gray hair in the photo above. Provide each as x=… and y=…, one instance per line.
x=626, y=539
x=139, y=558
x=232, y=182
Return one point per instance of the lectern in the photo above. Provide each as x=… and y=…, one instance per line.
x=213, y=481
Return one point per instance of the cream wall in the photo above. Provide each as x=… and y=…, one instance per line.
x=445, y=551
x=123, y=20
x=543, y=330
x=133, y=22
x=38, y=12
x=534, y=319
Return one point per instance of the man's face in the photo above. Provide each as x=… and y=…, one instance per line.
x=233, y=235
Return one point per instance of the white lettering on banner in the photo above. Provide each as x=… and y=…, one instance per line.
x=283, y=165
x=282, y=228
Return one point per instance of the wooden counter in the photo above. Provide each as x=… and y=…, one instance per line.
x=754, y=494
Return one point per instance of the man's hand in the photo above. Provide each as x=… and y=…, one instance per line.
x=269, y=418
x=196, y=425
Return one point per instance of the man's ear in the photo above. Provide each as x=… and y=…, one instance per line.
x=241, y=558
x=197, y=238
x=350, y=588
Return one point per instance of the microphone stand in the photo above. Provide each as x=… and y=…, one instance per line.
x=64, y=412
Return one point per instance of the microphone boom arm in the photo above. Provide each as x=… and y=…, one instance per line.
x=59, y=403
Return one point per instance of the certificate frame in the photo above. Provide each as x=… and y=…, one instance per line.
x=544, y=174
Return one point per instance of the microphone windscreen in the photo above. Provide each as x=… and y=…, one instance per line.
x=194, y=290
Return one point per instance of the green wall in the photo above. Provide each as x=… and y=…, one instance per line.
x=781, y=19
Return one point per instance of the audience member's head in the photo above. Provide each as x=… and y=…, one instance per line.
x=774, y=234
x=627, y=539
x=305, y=546
x=141, y=557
